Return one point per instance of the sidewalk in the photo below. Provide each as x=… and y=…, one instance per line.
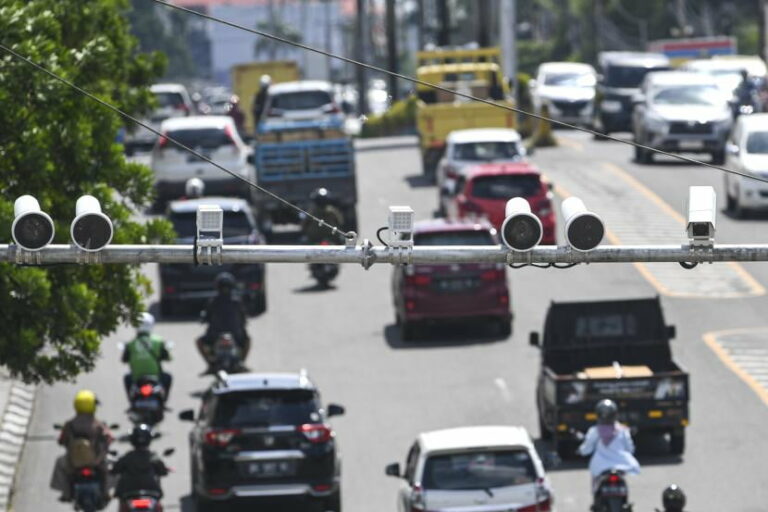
x=16, y=405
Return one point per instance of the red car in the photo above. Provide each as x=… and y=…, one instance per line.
x=429, y=293
x=486, y=189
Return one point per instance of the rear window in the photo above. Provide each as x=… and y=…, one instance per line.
x=235, y=224
x=479, y=470
x=169, y=99
x=481, y=237
x=628, y=77
x=304, y=100
x=266, y=408
x=757, y=143
x=506, y=186
x=486, y=151
x=209, y=138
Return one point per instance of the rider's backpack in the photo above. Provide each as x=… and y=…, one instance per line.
x=81, y=453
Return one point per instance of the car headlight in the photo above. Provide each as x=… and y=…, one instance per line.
x=611, y=106
x=655, y=123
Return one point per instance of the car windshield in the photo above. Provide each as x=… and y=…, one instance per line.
x=569, y=79
x=486, y=151
x=474, y=237
x=208, y=138
x=757, y=143
x=478, y=470
x=689, y=94
x=627, y=77
x=265, y=408
x=236, y=224
x=303, y=100
x=506, y=186
x=169, y=99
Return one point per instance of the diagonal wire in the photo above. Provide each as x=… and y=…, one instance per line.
x=322, y=223
x=418, y=81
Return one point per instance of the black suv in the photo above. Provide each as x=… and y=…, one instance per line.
x=188, y=283
x=264, y=436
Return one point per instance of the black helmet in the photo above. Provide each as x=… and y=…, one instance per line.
x=141, y=436
x=606, y=411
x=225, y=282
x=673, y=499
x=320, y=196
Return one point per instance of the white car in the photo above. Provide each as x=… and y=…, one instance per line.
x=173, y=100
x=567, y=89
x=473, y=469
x=216, y=138
x=294, y=104
x=466, y=148
x=727, y=73
x=747, y=151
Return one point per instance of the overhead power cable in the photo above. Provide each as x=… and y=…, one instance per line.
x=459, y=94
x=322, y=223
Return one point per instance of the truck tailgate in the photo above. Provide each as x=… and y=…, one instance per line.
x=669, y=386
x=437, y=120
x=304, y=160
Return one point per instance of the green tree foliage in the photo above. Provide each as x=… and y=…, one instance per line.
x=57, y=145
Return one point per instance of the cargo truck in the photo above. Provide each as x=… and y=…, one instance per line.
x=245, y=82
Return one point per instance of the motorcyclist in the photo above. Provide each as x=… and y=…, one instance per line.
x=145, y=354
x=140, y=469
x=746, y=91
x=673, y=499
x=610, y=444
x=260, y=100
x=323, y=208
x=225, y=313
x=87, y=442
x=194, y=188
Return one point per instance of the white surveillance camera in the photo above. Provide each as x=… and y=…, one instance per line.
x=521, y=230
x=400, y=226
x=32, y=228
x=210, y=226
x=91, y=230
x=702, y=215
x=584, y=230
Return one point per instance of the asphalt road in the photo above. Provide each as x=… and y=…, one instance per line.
x=346, y=339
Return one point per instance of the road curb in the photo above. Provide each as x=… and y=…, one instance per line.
x=14, y=425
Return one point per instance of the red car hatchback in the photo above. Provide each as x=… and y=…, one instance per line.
x=434, y=293
x=486, y=189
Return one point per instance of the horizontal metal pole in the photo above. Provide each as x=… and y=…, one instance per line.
x=368, y=255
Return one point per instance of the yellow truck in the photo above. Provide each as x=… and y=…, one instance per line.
x=476, y=72
x=245, y=82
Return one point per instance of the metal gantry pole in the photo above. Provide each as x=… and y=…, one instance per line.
x=366, y=254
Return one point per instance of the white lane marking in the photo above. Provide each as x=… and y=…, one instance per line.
x=501, y=384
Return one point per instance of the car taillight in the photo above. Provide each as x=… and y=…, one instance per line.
x=322, y=487
x=141, y=503
x=230, y=136
x=315, y=432
x=217, y=491
x=451, y=171
x=220, y=437
x=417, y=500
x=418, y=280
x=492, y=275
x=162, y=143
x=545, y=208
x=145, y=390
x=542, y=506
x=182, y=107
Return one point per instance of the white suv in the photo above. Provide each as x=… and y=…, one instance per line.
x=307, y=103
x=215, y=137
x=747, y=152
x=484, y=469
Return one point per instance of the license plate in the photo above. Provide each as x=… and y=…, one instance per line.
x=456, y=285
x=146, y=404
x=195, y=158
x=691, y=144
x=271, y=468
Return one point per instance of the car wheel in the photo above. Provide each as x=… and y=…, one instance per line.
x=333, y=502
x=730, y=201
x=544, y=433
x=677, y=443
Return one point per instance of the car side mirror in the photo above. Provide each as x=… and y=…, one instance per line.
x=393, y=469
x=335, y=410
x=534, y=339
x=532, y=83
x=550, y=186
x=187, y=415
x=671, y=332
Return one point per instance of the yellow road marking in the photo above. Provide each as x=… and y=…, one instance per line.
x=710, y=339
x=570, y=143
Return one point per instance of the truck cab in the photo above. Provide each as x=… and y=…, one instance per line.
x=609, y=349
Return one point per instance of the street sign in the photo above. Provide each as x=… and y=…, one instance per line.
x=681, y=50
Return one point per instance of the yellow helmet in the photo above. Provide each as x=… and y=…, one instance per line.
x=85, y=402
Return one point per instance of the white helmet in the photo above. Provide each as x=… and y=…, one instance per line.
x=265, y=80
x=146, y=323
x=194, y=188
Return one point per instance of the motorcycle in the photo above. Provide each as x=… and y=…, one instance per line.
x=143, y=500
x=612, y=493
x=147, y=398
x=227, y=355
x=324, y=273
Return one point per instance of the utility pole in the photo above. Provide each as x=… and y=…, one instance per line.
x=763, y=26
x=328, y=39
x=392, y=56
x=444, y=23
x=484, y=23
x=508, y=40
x=360, y=55
x=420, y=18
